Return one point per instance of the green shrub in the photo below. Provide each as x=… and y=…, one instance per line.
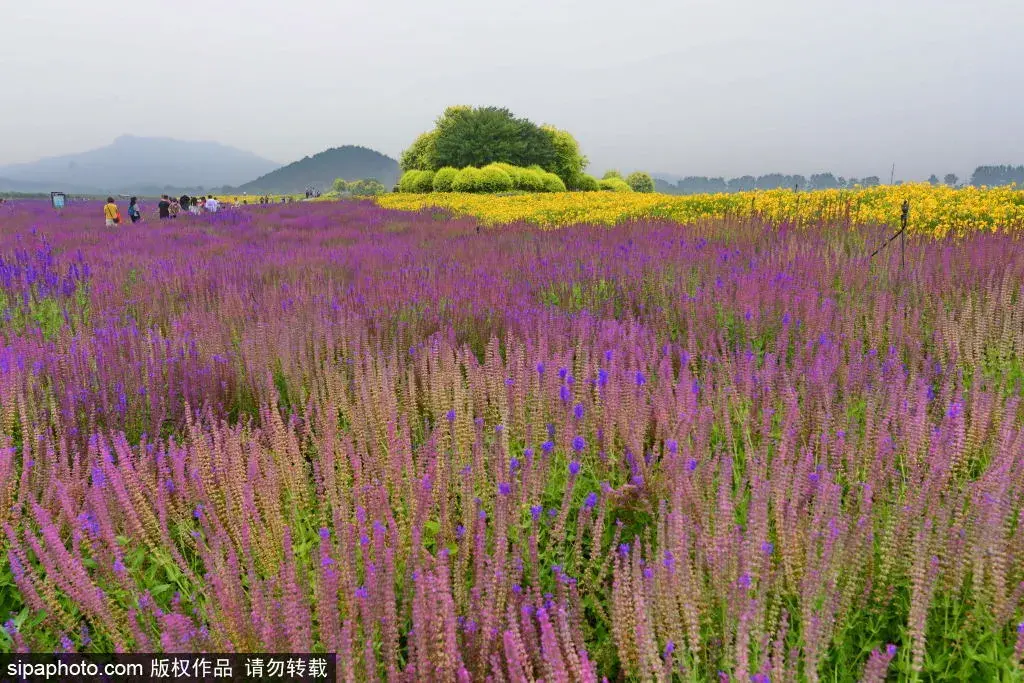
x=507, y=168
x=339, y=185
x=640, y=181
x=494, y=178
x=583, y=183
x=523, y=179
x=407, y=182
x=443, y=179
x=552, y=183
x=416, y=181
x=467, y=180
x=615, y=185
x=608, y=175
x=424, y=182
x=530, y=180
x=533, y=181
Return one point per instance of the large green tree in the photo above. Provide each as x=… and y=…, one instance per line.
x=478, y=136
x=485, y=135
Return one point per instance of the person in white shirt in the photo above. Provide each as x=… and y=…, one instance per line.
x=212, y=205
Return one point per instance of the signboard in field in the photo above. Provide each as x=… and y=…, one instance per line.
x=58, y=199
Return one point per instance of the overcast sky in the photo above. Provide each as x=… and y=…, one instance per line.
x=713, y=87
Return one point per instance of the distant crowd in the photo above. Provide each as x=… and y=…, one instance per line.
x=167, y=208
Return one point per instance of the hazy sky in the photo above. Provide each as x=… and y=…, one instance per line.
x=713, y=87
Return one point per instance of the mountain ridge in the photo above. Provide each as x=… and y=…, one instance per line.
x=350, y=162
x=133, y=162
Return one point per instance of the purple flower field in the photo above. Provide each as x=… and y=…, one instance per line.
x=729, y=451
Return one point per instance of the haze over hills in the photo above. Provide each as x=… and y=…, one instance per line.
x=319, y=171
x=133, y=163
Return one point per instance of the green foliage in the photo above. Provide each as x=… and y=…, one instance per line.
x=552, y=183
x=493, y=137
x=424, y=182
x=502, y=178
x=467, y=180
x=46, y=314
x=422, y=154
x=569, y=162
x=366, y=188
x=608, y=175
x=583, y=183
x=528, y=180
x=49, y=316
x=443, y=179
x=1003, y=368
x=615, y=185
x=597, y=296
x=408, y=180
x=417, y=181
x=640, y=181
x=466, y=136
x=493, y=178
x=339, y=185
x=523, y=179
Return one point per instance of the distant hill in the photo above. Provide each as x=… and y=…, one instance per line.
x=319, y=171
x=135, y=164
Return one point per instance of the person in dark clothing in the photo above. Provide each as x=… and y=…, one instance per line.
x=184, y=202
x=133, y=210
x=165, y=207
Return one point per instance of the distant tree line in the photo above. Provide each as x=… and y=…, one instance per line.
x=991, y=176
x=769, y=181
x=998, y=175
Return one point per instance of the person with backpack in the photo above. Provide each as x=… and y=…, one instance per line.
x=133, y=210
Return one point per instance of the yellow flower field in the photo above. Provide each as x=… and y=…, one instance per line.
x=935, y=210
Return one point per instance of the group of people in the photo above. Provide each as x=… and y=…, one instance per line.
x=168, y=207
